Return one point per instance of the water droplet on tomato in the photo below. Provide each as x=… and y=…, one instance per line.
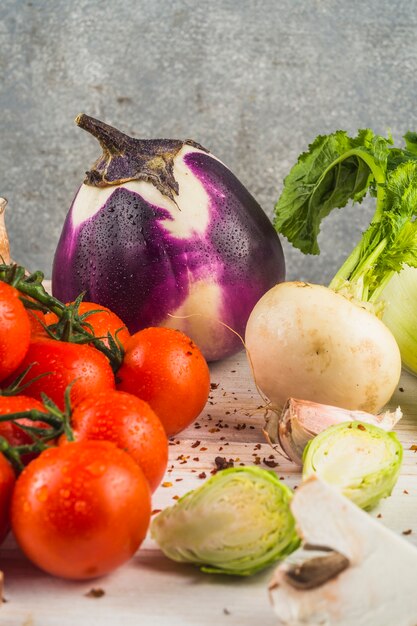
x=42, y=493
x=96, y=468
x=80, y=506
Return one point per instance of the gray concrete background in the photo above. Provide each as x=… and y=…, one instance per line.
x=252, y=80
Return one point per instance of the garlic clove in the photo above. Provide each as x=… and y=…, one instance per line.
x=301, y=420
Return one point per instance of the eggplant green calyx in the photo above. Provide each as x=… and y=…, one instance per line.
x=125, y=158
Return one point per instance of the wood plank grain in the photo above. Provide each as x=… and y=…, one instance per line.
x=150, y=588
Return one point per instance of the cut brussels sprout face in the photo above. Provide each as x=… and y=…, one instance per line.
x=361, y=460
x=237, y=522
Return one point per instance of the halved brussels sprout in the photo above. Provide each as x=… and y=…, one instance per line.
x=361, y=460
x=237, y=522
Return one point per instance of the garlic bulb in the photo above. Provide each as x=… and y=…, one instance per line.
x=301, y=420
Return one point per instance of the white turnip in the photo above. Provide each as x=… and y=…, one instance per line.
x=307, y=341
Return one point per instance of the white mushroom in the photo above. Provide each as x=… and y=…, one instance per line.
x=362, y=573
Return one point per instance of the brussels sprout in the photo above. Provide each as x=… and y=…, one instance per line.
x=362, y=460
x=237, y=522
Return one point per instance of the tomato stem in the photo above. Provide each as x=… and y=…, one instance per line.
x=71, y=326
x=59, y=421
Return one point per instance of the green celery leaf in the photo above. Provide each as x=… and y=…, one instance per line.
x=335, y=169
x=410, y=139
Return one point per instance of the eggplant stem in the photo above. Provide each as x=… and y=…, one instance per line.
x=113, y=141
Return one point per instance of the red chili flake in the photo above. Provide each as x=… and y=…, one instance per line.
x=405, y=491
x=407, y=532
x=175, y=497
x=214, y=430
x=379, y=515
x=202, y=475
x=155, y=511
x=189, y=353
x=95, y=592
x=220, y=448
x=166, y=484
x=233, y=371
x=197, y=426
x=222, y=463
x=270, y=463
x=257, y=447
x=222, y=438
x=252, y=427
x=361, y=427
x=196, y=458
x=195, y=444
x=202, y=449
x=178, y=480
x=227, y=412
x=414, y=447
x=214, y=385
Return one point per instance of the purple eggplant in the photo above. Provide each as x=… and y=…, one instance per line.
x=163, y=233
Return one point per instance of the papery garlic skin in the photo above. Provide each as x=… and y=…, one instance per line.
x=4, y=239
x=301, y=420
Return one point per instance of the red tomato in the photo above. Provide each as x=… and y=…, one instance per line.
x=10, y=430
x=81, y=510
x=7, y=481
x=166, y=369
x=130, y=423
x=14, y=330
x=64, y=362
x=102, y=323
x=36, y=319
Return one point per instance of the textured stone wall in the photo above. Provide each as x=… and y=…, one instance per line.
x=254, y=81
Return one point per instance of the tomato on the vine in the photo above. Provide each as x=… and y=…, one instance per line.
x=14, y=330
x=102, y=322
x=11, y=431
x=130, y=423
x=165, y=368
x=80, y=510
x=7, y=481
x=60, y=363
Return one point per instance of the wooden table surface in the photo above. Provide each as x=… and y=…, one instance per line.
x=150, y=589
